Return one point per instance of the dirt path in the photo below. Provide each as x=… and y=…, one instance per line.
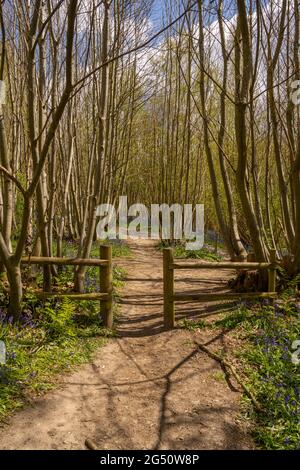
x=149, y=389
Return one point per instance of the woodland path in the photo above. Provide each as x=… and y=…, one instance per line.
x=147, y=389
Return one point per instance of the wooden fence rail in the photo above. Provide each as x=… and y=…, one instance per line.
x=170, y=297
x=105, y=280
x=64, y=261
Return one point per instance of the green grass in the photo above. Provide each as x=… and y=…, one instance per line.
x=57, y=337
x=206, y=253
x=219, y=376
x=265, y=335
x=193, y=325
x=267, y=363
x=234, y=319
x=119, y=249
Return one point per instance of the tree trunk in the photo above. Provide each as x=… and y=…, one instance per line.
x=16, y=291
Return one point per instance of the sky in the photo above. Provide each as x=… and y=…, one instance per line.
x=229, y=10
x=157, y=12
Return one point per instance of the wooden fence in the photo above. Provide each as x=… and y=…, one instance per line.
x=105, y=280
x=170, y=297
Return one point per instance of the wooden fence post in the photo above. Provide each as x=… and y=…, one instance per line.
x=169, y=306
x=106, y=286
x=272, y=272
x=251, y=257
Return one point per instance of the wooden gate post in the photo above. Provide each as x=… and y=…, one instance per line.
x=106, y=286
x=169, y=306
x=272, y=272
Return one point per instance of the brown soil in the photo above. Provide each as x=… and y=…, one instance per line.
x=148, y=389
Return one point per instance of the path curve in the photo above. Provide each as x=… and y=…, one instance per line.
x=148, y=389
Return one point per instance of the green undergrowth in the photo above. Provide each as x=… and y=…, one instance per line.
x=206, y=253
x=64, y=281
x=37, y=353
x=119, y=249
x=266, y=358
x=51, y=337
x=70, y=248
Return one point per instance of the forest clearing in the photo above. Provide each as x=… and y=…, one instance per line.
x=149, y=225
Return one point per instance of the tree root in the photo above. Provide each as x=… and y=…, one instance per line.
x=227, y=365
